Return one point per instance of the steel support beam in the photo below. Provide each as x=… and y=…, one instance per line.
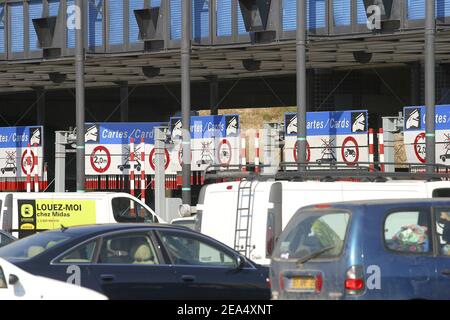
x=160, y=178
x=301, y=82
x=430, y=82
x=80, y=107
x=60, y=161
x=186, y=99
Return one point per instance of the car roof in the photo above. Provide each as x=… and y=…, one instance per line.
x=383, y=202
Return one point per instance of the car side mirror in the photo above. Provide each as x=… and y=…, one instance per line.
x=13, y=279
x=240, y=262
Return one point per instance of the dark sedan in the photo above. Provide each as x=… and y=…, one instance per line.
x=132, y=261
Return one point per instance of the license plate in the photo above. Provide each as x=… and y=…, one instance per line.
x=304, y=283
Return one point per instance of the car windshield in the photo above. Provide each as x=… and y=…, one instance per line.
x=310, y=235
x=32, y=246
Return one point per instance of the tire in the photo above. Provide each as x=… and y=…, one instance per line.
x=121, y=168
x=443, y=158
x=3, y=171
x=14, y=171
x=346, y=154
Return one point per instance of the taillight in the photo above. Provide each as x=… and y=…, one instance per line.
x=354, y=280
x=268, y=283
x=319, y=283
x=354, y=284
x=269, y=242
x=281, y=282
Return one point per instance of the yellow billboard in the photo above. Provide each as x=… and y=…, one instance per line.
x=47, y=214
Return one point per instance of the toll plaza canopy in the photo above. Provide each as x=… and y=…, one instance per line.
x=138, y=41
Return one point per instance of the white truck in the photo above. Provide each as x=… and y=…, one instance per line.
x=22, y=214
x=250, y=215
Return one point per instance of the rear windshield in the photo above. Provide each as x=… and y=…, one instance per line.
x=312, y=235
x=32, y=246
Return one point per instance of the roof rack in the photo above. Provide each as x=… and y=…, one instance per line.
x=337, y=171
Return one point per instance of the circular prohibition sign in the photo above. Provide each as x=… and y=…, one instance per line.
x=348, y=152
x=24, y=162
x=224, y=152
x=419, y=148
x=308, y=151
x=100, y=159
x=152, y=159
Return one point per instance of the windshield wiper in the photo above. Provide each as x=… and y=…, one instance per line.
x=314, y=255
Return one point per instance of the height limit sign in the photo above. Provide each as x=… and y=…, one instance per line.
x=100, y=159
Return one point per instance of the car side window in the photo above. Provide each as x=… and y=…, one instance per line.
x=130, y=248
x=408, y=231
x=81, y=254
x=185, y=249
x=123, y=211
x=2, y=280
x=443, y=230
x=441, y=193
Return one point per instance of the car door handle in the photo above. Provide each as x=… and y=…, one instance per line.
x=188, y=278
x=446, y=272
x=107, y=277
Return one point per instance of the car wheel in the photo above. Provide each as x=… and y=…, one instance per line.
x=14, y=171
x=443, y=158
x=3, y=171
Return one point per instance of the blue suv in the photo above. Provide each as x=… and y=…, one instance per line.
x=382, y=249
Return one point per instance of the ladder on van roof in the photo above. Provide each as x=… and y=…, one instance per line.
x=243, y=230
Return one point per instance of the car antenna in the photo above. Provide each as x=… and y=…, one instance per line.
x=63, y=228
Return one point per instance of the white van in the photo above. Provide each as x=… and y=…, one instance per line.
x=25, y=213
x=250, y=215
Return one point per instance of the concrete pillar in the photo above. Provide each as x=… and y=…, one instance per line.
x=430, y=83
x=186, y=99
x=301, y=83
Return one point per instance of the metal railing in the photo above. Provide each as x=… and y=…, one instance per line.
x=336, y=171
